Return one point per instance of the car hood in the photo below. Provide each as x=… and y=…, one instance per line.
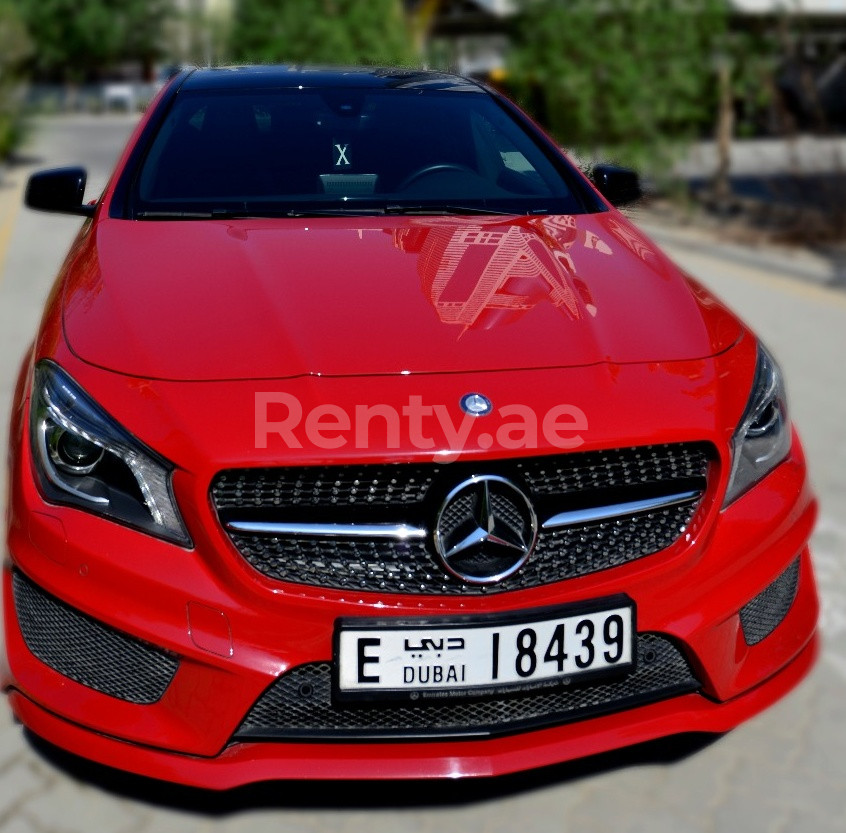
x=252, y=299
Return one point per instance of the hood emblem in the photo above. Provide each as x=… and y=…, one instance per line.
x=476, y=404
x=486, y=530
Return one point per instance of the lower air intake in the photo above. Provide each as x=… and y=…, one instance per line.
x=766, y=611
x=87, y=651
x=299, y=704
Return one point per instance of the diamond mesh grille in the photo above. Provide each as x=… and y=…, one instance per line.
x=411, y=567
x=409, y=483
x=87, y=651
x=299, y=703
x=413, y=494
x=323, y=486
x=507, y=512
x=596, y=470
x=766, y=611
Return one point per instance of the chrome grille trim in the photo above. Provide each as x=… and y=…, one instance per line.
x=398, y=532
x=607, y=513
x=369, y=527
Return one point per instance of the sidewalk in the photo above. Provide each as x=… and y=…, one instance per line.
x=765, y=157
x=11, y=194
x=709, y=237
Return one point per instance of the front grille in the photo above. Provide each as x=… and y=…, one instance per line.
x=88, y=651
x=412, y=494
x=766, y=611
x=299, y=704
x=410, y=566
x=323, y=486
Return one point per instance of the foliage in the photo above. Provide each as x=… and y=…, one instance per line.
x=620, y=78
x=203, y=34
x=78, y=39
x=15, y=47
x=321, y=31
x=141, y=25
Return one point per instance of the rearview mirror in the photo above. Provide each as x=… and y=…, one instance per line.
x=619, y=186
x=61, y=190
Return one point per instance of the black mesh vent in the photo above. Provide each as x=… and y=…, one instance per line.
x=413, y=494
x=410, y=483
x=299, y=704
x=595, y=471
x=87, y=651
x=766, y=611
x=323, y=486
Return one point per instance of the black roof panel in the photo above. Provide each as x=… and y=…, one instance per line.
x=268, y=77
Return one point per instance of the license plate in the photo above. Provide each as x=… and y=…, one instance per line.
x=438, y=658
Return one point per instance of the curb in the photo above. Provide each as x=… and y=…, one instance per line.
x=798, y=264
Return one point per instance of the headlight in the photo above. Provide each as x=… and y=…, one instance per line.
x=86, y=459
x=763, y=437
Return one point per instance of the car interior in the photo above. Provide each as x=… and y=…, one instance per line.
x=342, y=144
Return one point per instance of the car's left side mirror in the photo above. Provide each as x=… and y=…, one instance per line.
x=61, y=190
x=620, y=186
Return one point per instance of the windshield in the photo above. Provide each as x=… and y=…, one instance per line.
x=292, y=151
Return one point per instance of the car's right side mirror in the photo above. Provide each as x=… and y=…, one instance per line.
x=620, y=186
x=60, y=190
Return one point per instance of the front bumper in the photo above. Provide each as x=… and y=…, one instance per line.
x=245, y=763
x=234, y=633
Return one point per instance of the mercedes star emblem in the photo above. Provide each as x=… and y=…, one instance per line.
x=476, y=404
x=486, y=530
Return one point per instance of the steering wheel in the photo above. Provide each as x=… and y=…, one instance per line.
x=436, y=168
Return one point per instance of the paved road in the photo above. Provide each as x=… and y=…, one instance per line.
x=783, y=772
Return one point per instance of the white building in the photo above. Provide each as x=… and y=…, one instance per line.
x=198, y=32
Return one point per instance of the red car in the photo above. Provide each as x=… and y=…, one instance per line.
x=364, y=438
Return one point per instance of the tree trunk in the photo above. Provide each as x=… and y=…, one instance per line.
x=725, y=134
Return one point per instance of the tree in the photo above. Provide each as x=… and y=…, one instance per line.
x=142, y=24
x=15, y=47
x=321, y=31
x=203, y=33
x=620, y=78
x=78, y=39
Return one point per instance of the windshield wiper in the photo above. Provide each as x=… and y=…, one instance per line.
x=174, y=215
x=443, y=209
x=439, y=209
x=334, y=212
x=212, y=214
x=243, y=213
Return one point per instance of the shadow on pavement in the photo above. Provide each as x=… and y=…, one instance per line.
x=23, y=160
x=374, y=795
x=12, y=164
x=794, y=209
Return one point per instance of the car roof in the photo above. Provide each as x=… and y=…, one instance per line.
x=268, y=77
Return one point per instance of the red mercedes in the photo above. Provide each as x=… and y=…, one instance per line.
x=363, y=437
